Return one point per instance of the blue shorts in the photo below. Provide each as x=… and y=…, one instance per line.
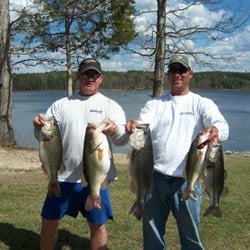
x=72, y=201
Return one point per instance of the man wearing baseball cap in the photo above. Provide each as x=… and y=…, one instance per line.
x=175, y=119
x=73, y=114
x=88, y=64
x=182, y=59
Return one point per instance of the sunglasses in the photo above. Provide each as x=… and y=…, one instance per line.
x=89, y=75
x=180, y=71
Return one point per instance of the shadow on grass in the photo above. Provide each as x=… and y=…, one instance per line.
x=19, y=238
x=73, y=241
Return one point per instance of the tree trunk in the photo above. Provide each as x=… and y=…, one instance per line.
x=68, y=58
x=159, y=76
x=6, y=128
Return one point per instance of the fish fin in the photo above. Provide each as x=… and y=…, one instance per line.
x=100, y=154
x=93, y=202
x=105, y=183
x=62, y=167
x=206, y=194
x=54, y=190
x=189, y=193
x=224, y=192
x=37, y=134
x=137, y=210
x=133, y=186
x=130, y=153
x=44, y=170
x=84, y=181
x=213, y=210
x=225, y=174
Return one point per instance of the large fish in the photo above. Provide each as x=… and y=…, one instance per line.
x=50, y=153
x=195, y=161
x=213, y=177
x=96, y=163
x=141, y=167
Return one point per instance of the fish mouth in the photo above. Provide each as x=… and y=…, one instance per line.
x=203, y=140
x=142, y=125
x=202, y=145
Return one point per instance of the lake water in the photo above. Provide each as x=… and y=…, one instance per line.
x=234, y=105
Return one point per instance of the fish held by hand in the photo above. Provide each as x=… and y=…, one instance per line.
x=50, y=153
x=96, y=164
x=141, y=167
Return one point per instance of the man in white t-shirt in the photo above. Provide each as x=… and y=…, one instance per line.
x=72, y=114
x=175, y=120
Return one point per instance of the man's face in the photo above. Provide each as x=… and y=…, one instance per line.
x=89, y=82
x=179, y=78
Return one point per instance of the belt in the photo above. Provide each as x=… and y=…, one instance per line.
x=167, y=176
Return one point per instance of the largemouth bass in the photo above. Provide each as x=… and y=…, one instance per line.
x=213, y=177
x=96, y=163
x=141, y=167
x=50, y=153
x=195, y=161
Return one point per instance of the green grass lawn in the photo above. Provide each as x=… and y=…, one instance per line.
x=22, y=195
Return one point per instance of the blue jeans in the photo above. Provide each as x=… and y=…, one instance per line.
x=166, y=197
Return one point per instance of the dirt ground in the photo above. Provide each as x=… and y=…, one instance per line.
x=17, y=159
x=21, y=166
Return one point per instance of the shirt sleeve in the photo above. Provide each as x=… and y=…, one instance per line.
x=212, y=116
x=147, y=114
x=54, y=110
x=118, y=116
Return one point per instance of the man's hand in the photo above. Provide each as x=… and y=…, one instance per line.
x=214, y=134
x=110, y=127
x=130, y=125
x=38, y=121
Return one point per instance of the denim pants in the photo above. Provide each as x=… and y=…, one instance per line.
x=166, y=197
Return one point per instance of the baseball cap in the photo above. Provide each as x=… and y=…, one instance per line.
x=90, y=63
x=182, y=59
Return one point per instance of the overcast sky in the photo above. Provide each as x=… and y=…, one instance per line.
x=236, y=44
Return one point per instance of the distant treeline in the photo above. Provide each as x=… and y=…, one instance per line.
x=130, y=80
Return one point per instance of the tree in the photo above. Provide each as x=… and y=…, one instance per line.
x=6, y=128
x=174, y=30
x=159, y=75
x=90, y=27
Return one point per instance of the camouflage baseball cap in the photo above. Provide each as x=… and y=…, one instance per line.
x=182, y=59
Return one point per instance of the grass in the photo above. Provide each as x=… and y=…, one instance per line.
x=22, y=194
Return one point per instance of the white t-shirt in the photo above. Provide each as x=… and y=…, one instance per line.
x=174, y=122
x=73, y=113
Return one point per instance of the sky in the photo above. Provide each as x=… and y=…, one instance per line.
x=236, y=45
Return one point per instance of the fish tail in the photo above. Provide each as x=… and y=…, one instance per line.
x=93, y=202
x=213, y=210
x=137, y=210
x=54, y=190
x=189, y=193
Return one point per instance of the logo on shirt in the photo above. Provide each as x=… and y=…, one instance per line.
x=187, y=113
x=95, y=111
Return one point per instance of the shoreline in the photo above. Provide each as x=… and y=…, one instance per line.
x=21, y=159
